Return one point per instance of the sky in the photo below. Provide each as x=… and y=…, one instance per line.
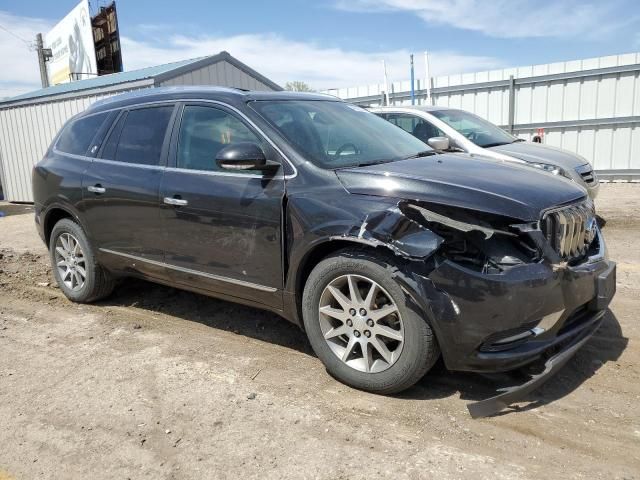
x=337, y=43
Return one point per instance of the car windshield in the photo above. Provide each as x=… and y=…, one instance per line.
x=479, y=131
x=334, y=134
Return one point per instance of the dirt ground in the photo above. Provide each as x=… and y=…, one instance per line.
x=163, y=384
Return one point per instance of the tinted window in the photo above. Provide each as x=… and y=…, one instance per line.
x=416, y=126
x=111, y=145
x=479, y=131
x=204, y=131
x=76, y=137
x=336, y=134
x=141, y=135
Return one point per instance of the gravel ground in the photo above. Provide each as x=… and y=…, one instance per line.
x=159, y=383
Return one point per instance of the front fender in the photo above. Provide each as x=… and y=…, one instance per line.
x=371, y=221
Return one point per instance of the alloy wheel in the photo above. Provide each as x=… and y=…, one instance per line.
x=361, y=323
x=70, y=262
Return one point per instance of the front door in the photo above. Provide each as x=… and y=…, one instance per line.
x=416, y=126
x=121, y=191
x=223, y=229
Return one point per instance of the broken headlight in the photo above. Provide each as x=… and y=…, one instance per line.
x=477, y=240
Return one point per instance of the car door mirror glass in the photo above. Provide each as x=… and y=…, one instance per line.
x=439, y=143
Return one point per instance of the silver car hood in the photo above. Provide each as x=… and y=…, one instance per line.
x=537, y=153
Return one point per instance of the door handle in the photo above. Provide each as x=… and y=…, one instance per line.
x=177, y=202
x=99, y=189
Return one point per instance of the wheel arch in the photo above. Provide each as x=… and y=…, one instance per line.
x=326, y=248
x=410, y=275
x=54, y=214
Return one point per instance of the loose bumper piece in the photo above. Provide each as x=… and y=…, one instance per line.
x=494, y=405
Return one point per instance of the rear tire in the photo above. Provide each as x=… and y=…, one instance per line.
x=80, y=277
x=400, y=346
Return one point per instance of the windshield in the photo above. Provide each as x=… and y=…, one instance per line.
x=336, y=134
x=479, y=131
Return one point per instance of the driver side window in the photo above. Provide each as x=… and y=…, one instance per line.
x=204, y=131
x=416, y=126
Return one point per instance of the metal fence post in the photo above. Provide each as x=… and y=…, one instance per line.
x=512, y=102
x=431, y=94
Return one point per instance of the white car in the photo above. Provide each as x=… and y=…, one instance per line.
x=446, y=128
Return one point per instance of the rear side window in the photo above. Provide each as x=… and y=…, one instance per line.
x=138, y=136
x=77, y=136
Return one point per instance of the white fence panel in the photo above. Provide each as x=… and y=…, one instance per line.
x=590, y=106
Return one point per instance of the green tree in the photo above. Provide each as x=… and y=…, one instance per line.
x=297, y=86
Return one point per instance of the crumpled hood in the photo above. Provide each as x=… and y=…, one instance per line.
x=476, y=183
x=537, y=153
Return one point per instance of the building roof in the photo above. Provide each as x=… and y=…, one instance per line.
x=158, y=73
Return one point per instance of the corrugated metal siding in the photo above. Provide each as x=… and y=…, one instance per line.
x=222, y=74
x=25, y=134
x=597, y=97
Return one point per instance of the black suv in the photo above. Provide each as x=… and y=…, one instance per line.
x=387, y=254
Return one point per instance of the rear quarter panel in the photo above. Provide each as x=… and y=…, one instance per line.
x=57, y=183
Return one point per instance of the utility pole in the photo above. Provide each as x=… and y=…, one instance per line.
x=44, y=54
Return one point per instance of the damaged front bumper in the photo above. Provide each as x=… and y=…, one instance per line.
x=490, y=323
x=499, y=322
x=565, y=350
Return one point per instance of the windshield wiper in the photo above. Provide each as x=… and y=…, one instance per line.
x=367, y=164
x=519, y=140
x=424, y=153
x=496, y=144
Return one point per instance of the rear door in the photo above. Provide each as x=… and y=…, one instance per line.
x=223, y=228
x=62, y=179
x=121, y=190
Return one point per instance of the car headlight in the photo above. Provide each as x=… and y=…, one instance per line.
x=547, y=167
x=553, y=169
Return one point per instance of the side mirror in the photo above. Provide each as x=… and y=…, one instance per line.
x=244, y=156
x=439, y=143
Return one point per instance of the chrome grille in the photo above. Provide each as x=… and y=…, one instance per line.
x=570, y=230
x=587, y=174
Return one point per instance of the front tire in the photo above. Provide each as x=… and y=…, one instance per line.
x=75, y=268
x=358, y=323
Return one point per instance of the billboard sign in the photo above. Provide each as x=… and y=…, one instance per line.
x=72, y=46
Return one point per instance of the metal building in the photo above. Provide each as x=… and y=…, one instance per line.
x=590, y=106
x=29, y=122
